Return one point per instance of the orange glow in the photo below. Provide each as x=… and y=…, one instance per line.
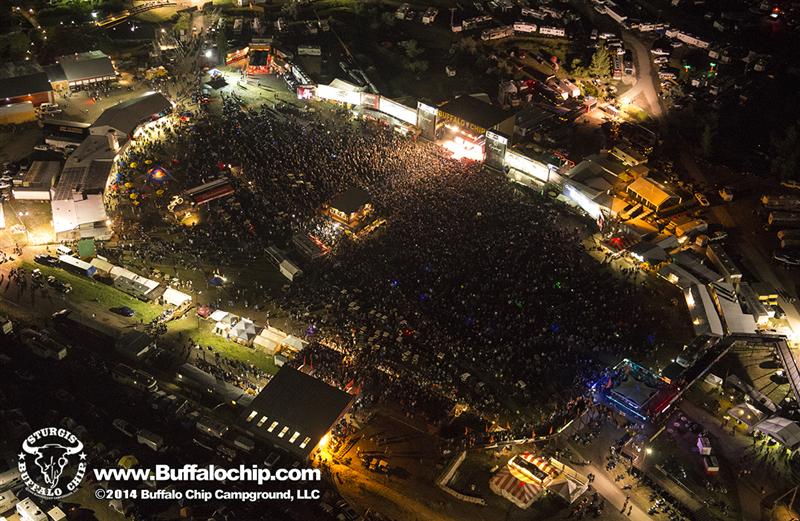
x=463, y=149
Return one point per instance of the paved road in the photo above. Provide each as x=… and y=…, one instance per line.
x=647, y=87
x=608, y=489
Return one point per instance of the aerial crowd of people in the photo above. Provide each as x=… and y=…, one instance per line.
x=475, y=292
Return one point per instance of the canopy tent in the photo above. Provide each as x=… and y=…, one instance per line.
x=568, y=488
x=103, y=266
x=519, y=492
x=747, y=414
x=293, y=343
x=781, y=429
x=269, y=339
x=243, y=332
x=175, y=298
x=220, y=316
x=128, y=461
x=527, y=476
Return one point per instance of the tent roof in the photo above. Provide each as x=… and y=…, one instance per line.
x=746, y=413
x=218, y=315
x=519, y=492
x=784, y=430
x=175, y=297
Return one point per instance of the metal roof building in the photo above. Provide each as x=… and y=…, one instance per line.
x=126, y=116
x=295, y=411
x=651, y=194
x=85, y=68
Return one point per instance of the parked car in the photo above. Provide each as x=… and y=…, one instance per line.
x=64, y=287
x=45, y=260
x=701, y=199
x=124, y=427
x=124, y=311
x=787, y=258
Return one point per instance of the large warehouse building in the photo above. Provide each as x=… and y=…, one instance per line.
x=295, y=412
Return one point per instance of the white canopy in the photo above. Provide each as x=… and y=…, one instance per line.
x=218, y=315
x=243, y=331
x=784, y=431
x=270, y=338
x=746, y=413
x=176, y=298
x=293, y=343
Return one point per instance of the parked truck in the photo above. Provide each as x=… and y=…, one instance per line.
x=211, y=427
x=781, y=202
x=784, y=219
x=788, y=234
x=150, y=439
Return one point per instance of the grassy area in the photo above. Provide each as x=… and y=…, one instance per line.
x=85, y=290
x=251, y=355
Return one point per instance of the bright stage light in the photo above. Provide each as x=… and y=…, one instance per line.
x=463, y=149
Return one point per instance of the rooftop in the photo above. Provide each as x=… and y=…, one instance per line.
x=475, y=111
x=87, y=168
x=18, y=80
x=86, y=65
x=129, y=114
x=41, y=174
x=350, y=201
x=294, y=411
x=649, y=191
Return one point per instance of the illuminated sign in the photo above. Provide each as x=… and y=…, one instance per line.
x=461, y=123
x=401, y=112
x=492, y=136
x=345, y=96
x=427, y=109
x=527, y=165
x=305, y=91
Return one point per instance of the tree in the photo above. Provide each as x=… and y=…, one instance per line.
x=786, y=154
x=708, y=136
x=388, y=19
x=411, y=48
x=600, y=66
x=416, y=67
x=468, y=44
x=17, y=44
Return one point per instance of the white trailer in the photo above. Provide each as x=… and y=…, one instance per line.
x=524, y=27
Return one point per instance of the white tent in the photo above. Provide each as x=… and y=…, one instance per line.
x=176, y=298
x=102, y=265
x=746, y=413
x=293, y=343
x=219, y=316
x=568, y=488
x=243, y=332
x=784, y=431
x=269, y=339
